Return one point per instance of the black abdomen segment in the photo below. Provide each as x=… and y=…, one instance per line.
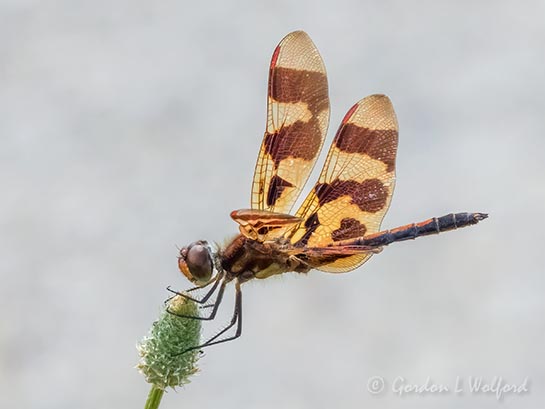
x=412, y=231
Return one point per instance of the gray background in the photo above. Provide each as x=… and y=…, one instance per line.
x=130, y=127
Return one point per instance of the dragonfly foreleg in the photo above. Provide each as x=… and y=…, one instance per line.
x=215, y=305
x=235, y=319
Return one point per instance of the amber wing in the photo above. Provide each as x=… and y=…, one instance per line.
x=297, y=120
x=356, y=184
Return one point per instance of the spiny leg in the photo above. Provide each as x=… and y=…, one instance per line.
x=177, y=293
x=207, y=306
x=215, y=305
x=236, y=319
x=200, y=287
x=216, y=280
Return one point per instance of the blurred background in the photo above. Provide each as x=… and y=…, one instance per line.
x=130, y=128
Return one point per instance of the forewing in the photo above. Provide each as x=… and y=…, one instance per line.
x=262, y=225
x=354, y=190
x=297, y=120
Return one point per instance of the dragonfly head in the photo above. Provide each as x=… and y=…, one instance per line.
x=195, y=262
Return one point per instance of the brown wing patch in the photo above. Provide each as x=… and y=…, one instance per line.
x=297, y=119
x=370, y=195
x=307, y=229
x=276, y=188
x=290, y=85
x=298, y=140
x=377, y=148
x=349, y=228
x=356, y=184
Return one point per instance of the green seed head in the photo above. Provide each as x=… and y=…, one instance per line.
x=160, y=360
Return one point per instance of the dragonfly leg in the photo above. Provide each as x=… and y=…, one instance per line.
x=236, y=319
x=215, y=305
x=216, y=280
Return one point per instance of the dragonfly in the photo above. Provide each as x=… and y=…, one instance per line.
x=337, y=227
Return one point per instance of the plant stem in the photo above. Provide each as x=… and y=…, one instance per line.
x=154, y=397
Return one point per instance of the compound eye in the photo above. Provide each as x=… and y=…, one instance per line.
x=199, y=261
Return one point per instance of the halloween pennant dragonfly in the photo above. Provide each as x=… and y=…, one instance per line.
x=337, y=228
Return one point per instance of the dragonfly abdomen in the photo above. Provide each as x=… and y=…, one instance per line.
x=428, y=227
